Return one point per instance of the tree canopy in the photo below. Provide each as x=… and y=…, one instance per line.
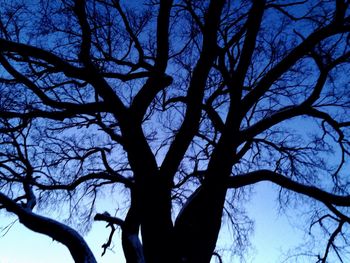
x=171, y=110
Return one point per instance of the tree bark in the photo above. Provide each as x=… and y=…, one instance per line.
x=198, y=224
x=156, y=223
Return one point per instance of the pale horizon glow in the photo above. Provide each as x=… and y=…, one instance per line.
x=272, y=235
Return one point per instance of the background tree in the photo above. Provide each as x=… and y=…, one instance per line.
x=174, y=107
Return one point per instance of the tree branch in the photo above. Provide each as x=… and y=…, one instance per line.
x=80, y=11
x=289, y=60
x=30, y=51
x=195, y=92
x=310, y=191
x=158, y=79
x=52, y=228
x=113, y=178
x=252, y=27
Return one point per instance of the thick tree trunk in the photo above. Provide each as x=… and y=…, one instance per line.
x=151, y=196
x=132, y=247
x=198, y=224
x=156, y=223
x=151, y=202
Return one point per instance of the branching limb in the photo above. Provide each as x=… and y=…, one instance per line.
x=30, y=51
x=330, y=243
x=132, y=246
x=267, y=175
x=57, y=231
x=196, y=89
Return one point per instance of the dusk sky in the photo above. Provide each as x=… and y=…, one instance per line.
x=160, y=113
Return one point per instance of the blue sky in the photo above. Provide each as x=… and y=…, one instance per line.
x=273, y=234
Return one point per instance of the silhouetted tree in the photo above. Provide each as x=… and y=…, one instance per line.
x=174, y=107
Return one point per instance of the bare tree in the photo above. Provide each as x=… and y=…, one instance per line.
x=174, y=107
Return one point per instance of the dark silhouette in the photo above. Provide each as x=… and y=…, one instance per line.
x=174, y=107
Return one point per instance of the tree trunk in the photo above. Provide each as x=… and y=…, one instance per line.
x=198, y=224
x=156, y=223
